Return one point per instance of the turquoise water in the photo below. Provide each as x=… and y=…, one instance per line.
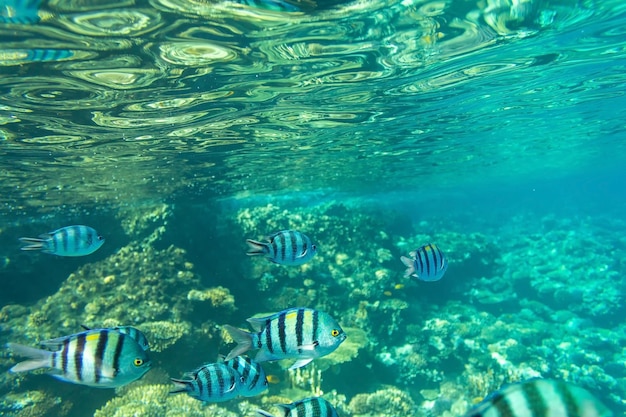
x=180, y=128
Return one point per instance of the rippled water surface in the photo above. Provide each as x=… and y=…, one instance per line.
x=123, y=100
x=178, y=128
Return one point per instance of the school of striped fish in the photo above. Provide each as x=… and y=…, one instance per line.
x=115, y=356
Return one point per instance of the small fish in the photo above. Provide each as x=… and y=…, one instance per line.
x=295, y=333
x=287, y=247
x=66, y=241
x=273, y=379
x=540, y=398
x=254, y=381
x=427, y=263
x=213, y=382
x=308, y=407
x=132, y=332
x=99, y=358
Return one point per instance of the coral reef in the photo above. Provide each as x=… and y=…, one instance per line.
x=155, y=401
x=385, y=402
x=512, y=306
x=139, y=285
x=33, y=404
x=564, y=262
x=137, y=220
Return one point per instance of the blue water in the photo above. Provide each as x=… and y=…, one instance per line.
x=179, y=128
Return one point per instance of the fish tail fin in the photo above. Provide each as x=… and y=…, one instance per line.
x=243, y=340
x=39, y=358
x=33, y=243
x=180, y=385
x=261, y=413
x=257, y=248
x=410, y=269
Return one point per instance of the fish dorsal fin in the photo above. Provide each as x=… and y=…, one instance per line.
x=258, y=323
x=54, y=344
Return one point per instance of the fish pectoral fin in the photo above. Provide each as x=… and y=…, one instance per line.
x=300, y=363
x=264, y=356
x=310, y=347
x=303, y=254
x=232, y=387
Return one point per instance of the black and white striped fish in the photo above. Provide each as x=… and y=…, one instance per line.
x=66, y=241
x=133, y=332
x=540, y=398
x=254, y=381
x=287, y=247
x=308, y=407
x=296, y=333
x=428, y=263
x=100, y=358
x=213, y=382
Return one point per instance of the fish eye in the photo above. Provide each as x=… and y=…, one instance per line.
x=314, y=247
x=334, y=332
x=100, y=237
x=138, y=362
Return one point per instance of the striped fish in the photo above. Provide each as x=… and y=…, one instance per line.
x=254, y=380
x=214, y=382
x=540, y=398
x=100, y=358
x=133, y=332
x=287, y=247
x=296, y=333
x=308, y=407
x=19, y=12
x=66, y=241
x=427, y=263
